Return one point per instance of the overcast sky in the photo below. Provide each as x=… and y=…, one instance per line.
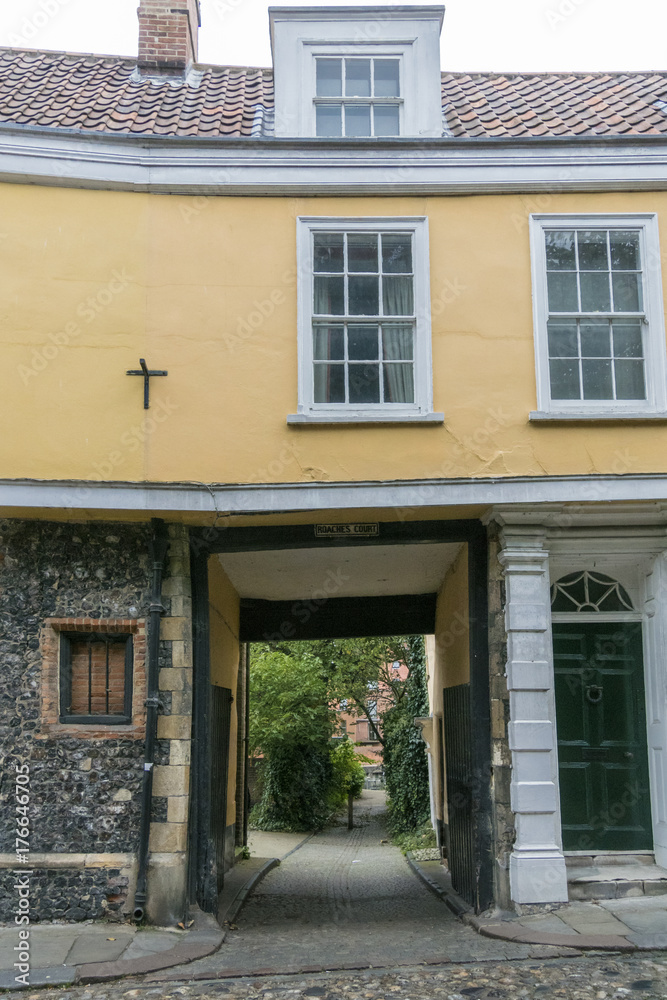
x=477, y=34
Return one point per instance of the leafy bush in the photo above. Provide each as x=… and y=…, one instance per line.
x=290, y=725
x=294, y=783
x=347, y=773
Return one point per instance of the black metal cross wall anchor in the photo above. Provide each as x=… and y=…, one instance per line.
x=144, y=370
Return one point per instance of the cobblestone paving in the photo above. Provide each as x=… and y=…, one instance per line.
x=587, y=978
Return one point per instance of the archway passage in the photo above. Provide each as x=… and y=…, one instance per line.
x=294, y=582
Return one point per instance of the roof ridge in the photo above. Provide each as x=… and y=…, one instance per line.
x=128, y=59
x=552, y=73
x=66, y=52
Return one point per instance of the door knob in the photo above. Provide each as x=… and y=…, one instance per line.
x=630, y=756
x=594, y=694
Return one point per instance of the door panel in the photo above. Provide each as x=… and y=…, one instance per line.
x=601, y=719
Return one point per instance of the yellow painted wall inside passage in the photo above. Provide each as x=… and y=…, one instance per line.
x=225, y=655
x=206, y=288
x=448, y=654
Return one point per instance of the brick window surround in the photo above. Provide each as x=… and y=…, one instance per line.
x=50, y=677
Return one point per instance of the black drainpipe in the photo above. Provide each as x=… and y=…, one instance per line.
x=158, y=551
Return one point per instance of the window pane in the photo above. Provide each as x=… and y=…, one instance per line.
x=329, y=78
x=357, y=119
x=357, y=78
x=398, y=384
x=329, y=297
x=363, y=296
x=397, y=343
x=627, y=292
x=560, y=250
x=328, y=252
x=362, y=252
x=563, y=340
x=396, y=253
x=625, y=254
x=595, y=295
x=385, y=73
x=630, y=380
x=397, y=298
x=385, y=118
x=627, y=340
x=592, y=250
x=596, y=376
x=595, y=339
x=564, y=379
x=362, y=343
x=364, y=383
x=328, y=343
x=329, y=383
x=328, y=120
x=562, y=291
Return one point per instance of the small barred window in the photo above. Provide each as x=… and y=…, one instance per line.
x=95, y=678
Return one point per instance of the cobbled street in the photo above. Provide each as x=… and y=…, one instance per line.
x=345, y=900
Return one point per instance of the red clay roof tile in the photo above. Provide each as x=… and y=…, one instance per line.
x=62, y=90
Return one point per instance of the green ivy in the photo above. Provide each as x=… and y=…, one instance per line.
x=294, y=781
x=405, y=765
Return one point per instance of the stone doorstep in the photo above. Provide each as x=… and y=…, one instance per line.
x=598, y=860
x=614, y=881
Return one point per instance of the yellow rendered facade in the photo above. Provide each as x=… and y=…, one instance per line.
x=206, y=288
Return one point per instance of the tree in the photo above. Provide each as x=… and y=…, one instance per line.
x=291, y=723
x=357, y=667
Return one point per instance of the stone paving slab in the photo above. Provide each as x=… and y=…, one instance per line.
x=596, y=917
x=52, y=976
x=151, y=942
x=549, y=923
x=91, y=947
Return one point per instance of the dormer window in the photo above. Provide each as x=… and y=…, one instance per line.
x=357, y=96
x=357, y=73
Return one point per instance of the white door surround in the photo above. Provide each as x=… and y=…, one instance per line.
x=629, y=544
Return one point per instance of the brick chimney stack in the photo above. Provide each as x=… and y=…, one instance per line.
x=168, y=35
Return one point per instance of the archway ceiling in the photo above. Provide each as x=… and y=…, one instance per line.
x=357, y=571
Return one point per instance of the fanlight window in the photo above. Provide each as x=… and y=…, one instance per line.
x=589, y=592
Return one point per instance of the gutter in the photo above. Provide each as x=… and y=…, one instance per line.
x=158, y=550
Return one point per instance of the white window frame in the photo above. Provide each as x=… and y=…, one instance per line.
x=378, y=51
x=655, y=370
x=422, y=409
x=410, y=33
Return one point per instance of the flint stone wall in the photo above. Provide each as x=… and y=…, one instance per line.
x=84, y=791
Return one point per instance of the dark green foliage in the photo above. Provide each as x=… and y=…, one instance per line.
x=405, y=765
x=294, y=781
x=291, y=724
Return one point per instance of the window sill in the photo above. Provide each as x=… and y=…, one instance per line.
x=582, y=416
x=365, y=418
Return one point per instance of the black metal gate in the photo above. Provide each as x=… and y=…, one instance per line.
x=221, y=712
x=456, y=721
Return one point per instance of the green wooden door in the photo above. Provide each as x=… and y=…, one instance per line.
x=601, y=719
